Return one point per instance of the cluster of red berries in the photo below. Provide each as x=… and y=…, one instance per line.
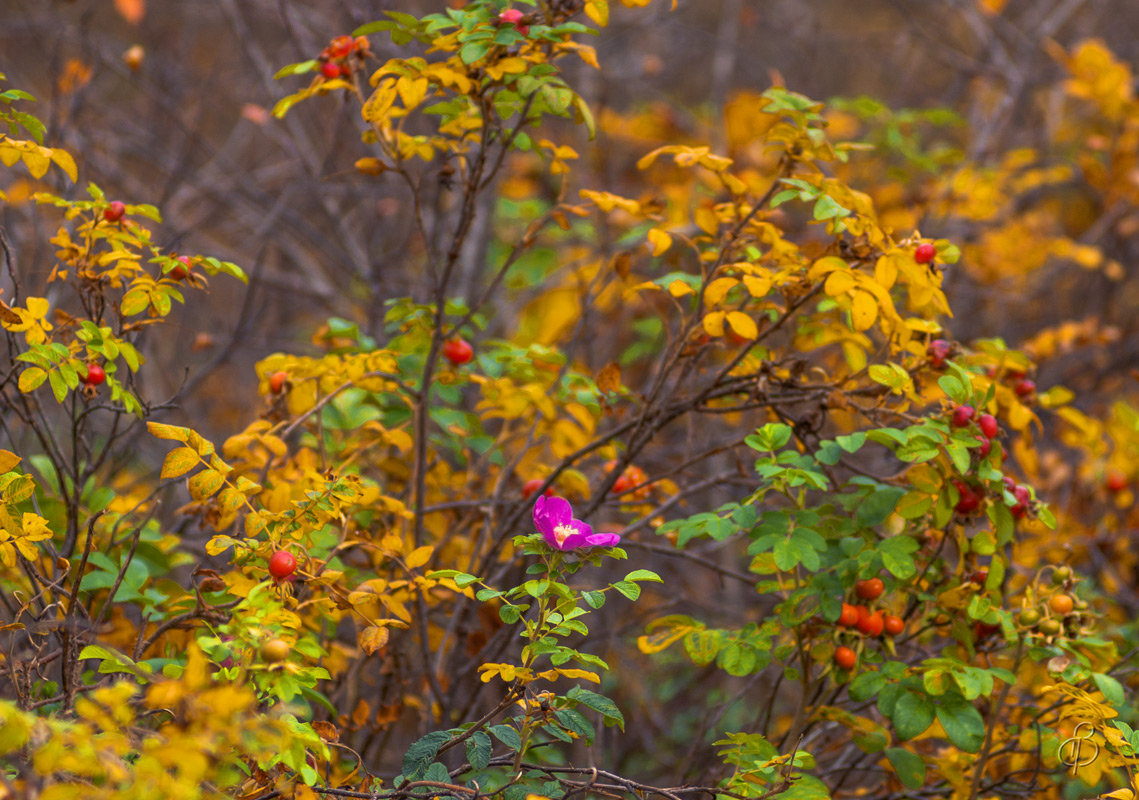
x=987, y=425
x=867, y=622
x=334, y=58
x=1022, y=385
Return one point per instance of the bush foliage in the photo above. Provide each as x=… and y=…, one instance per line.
x=689, y=488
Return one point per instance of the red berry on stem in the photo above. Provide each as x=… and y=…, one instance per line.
x=277, y=381
x=458, y=351
x=989, y=426
x=1115, y=481
x=341, y=46
x=925, y=253
x=115, y=212
x=869, y=589
x=845, y=657
x=871, y=624
x=962, y=416
x=893, y=625
x=986, y=446
x=281, y=564
x=937, y=351
x=1024, y=388
x=330, y=70
x=533, y=485
x=849, y=616
x=968, y=500
x=95, y=375
x=183, y=272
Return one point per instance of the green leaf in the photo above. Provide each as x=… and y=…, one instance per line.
x=962, y=722
x=473, y=51
x=595, y=599
x=630, y=590
x=1111, y=688
x=912, y=716
x=643, y=575
x=507, y=735
x=909, y=767
x=866, y=685
x=874, y=510
x=599, y=703
x=479, y=749
x=421, y=754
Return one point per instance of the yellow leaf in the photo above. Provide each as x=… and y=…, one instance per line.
x=757, y=287
x=863, y=309
x=372, y=638
x=679, y=288
x=839, y=283
x=179, y=461
x=660, y=241
x=582, y=674
x=743, y=324
x=714, y=323
x=65, y=162
x=8, y=460
x=718, y=289
x=886, y=272
x=706, y=220
x=598, y=11
x=203, y=485
x=420, y=556
x=171, y=432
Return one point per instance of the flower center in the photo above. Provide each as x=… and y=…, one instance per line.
x=563, y=532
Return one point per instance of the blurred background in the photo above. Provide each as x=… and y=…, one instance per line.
x=167, y=103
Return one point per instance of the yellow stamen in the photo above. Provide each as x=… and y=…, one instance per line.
x=563, y=532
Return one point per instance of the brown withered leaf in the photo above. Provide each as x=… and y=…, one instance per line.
x=609, y=378
x=8, y=315
x=326, y=730
x=623, y=264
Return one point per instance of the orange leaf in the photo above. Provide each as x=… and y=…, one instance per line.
x=131, y=10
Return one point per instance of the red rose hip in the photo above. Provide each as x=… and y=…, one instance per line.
x=95, y=375
x=282, y=564
x=845, y=657
x=115, y=212
x=962, y=415
x=869, y=589
x=458, y=351
x=925, y=253
x=989, y=426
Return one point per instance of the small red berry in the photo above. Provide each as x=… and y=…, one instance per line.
x=1023, y=498
x=95, y=375
x=869, y=589
x=281, y=564
x=982, y=630
x=925, y=253
x=623, y=484
x=871, y=624
x=849, y=616
x=1024, y=387
x=845, y=657
x=989, y=425
x=1115, y=481
x=533, y=485
x=330, y=70
x=893, y=625
x=937, y=351
x=115, y=212
x=181, y=273
x=962, y=416
x=458, y=351
x=986, y=446
x=341, y=46
x=512, y=16
x=979, y=577
x=968, y=500
x=277, y=381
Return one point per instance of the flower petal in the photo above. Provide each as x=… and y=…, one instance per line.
x=549, y=512
x=603, y=539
